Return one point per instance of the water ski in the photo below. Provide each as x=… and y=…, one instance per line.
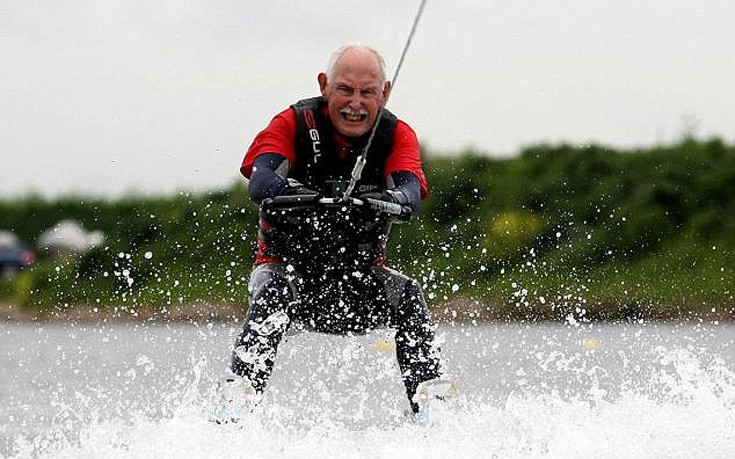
x=232, y=399
x=433, y=398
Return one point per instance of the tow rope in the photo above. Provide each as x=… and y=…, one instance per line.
x=362, y=159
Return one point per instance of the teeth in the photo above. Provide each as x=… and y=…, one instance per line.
x=351, y=116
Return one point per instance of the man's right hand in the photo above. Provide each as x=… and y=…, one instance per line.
x=296, y=188
x=299, y=191
x=294, y=193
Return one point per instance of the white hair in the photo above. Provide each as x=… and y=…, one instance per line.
x=337, y=54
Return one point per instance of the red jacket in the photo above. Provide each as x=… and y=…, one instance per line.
x=279, y=137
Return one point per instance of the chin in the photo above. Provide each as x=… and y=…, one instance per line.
x=352, y=131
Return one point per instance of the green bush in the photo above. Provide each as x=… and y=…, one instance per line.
x=572, y=225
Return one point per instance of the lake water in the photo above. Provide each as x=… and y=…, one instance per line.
x=527, y=390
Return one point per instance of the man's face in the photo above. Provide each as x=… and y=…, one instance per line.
x=354, y=93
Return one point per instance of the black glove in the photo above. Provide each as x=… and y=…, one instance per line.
x=293, y=194
x=392, y=202
x=296, y=188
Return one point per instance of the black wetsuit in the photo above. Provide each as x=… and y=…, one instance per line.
x=321, y=267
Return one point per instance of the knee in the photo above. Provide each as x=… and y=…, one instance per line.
x=269, y=289
x=413, y=306
x=413, y=294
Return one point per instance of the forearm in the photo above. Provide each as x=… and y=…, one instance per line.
x=406, y=190
x=268, y=178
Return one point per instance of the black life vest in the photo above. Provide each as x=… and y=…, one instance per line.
x=330, y=238
x=318, y=165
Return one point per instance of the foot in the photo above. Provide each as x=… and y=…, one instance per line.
x=431, y=397
x=234, y=398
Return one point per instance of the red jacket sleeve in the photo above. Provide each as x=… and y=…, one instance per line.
x=406, y=155
x=277, y=137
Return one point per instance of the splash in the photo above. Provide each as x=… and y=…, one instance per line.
x=339, y=397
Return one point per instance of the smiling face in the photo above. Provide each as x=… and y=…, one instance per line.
x=355, y=91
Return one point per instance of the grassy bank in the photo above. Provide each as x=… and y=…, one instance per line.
x=560, y=232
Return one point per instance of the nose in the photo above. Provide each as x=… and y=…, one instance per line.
x=356, y=99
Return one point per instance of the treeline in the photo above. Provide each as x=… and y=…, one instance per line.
x=563, y=231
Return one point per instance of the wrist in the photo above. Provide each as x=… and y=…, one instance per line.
x=397, y=196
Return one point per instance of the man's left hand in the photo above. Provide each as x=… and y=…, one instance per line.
x=392, y=202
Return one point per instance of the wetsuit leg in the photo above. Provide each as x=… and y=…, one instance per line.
x=272, y=295
x=417, y=355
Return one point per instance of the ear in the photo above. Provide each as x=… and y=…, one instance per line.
x=322, y=79
x=386, y=90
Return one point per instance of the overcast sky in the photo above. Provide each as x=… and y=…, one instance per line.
x=106, y=97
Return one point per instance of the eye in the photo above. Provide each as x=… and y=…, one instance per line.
x=369, y=93
x=344, y=90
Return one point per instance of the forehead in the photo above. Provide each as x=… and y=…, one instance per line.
x=357, y=68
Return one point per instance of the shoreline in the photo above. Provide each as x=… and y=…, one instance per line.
x=456, y=311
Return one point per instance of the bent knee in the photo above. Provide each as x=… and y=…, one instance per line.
x=272, y=278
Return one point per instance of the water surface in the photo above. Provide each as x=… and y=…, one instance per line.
x=527, y=390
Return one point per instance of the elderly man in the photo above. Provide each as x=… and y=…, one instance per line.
x=321, y=267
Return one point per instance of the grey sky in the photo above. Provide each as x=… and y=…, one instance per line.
x=104, y=97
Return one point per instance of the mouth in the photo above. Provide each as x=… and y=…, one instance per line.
x=352, y=117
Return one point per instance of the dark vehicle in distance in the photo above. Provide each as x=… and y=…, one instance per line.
x=14, y=255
